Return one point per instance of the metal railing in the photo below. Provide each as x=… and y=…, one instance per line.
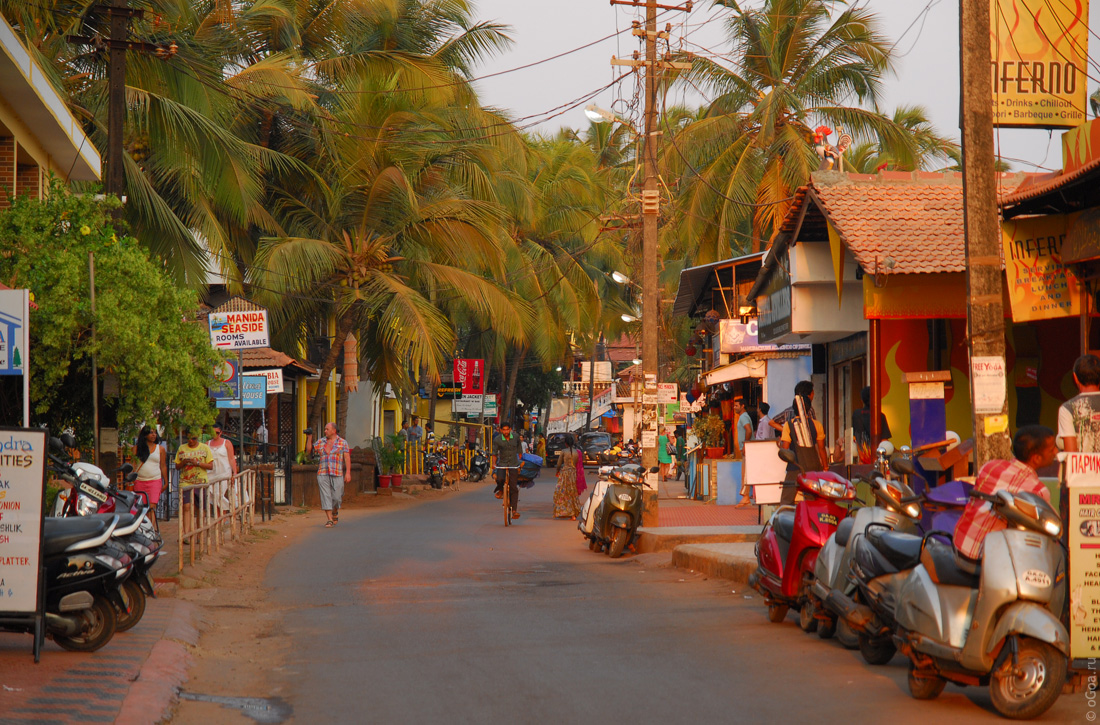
x=202, y=522
x=414, y=455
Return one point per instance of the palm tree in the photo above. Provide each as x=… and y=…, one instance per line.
x=930, y=149
x=789, y=66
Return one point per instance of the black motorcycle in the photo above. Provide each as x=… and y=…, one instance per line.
x=435, y=465
x=479, y=466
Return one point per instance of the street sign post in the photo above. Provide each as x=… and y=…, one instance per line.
x=15, y=341
x=22, y=502
x=255, y=394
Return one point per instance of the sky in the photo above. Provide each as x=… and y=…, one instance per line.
x=926, y=34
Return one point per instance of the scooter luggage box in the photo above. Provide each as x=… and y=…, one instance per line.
x=588, y=514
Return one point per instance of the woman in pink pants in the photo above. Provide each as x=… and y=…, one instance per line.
x=152, y=470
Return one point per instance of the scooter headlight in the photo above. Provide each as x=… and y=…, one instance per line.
x=912, y=511
x=1053, y=528
x=86, y=506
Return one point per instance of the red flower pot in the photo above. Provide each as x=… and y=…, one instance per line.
x=396, y=480
x=384, y=480
x=718, y=452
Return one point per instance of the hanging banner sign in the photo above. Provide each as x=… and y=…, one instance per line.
x=1040, y=55
x=239, y=330
x=225, y=374
x=988, y=376
x=467, y=404
x=736, y=336
x=22, y=498
x=1040, y=287
x=14, y=331
x=489, y=405
x=1081, y=473
x=274, y=378
x=667, y=392
x=469, y=374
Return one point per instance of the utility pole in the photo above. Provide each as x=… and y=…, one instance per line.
x=984, y=307
x=651, y=209
x=120, y=15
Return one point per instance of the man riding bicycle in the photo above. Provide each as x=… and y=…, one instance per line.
x=506, y=454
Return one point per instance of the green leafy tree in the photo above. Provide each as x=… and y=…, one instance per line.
x=147, y=329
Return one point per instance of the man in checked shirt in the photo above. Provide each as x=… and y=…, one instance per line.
x=1034, y=448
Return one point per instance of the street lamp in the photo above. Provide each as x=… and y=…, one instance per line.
x=628, y=318
x=620, y=278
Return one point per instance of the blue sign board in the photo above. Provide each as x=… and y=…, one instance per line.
x=225, y=373
x=255, y=394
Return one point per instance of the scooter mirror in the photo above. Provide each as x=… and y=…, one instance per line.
x=655, y=469
x=786, y=454
x=126, y=468
x=131, y=477
x=56, y=445
x=903, y=466
x=68, y=440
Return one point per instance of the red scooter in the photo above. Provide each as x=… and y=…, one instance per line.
x=788, y=547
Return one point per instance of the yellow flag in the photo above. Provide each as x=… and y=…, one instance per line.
x=838, y=261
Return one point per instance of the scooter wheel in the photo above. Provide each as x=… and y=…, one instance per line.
x=100, y=624
x=134, y=598
x=594, y=544
x=1029, y=689
x=924, y=685
x=846, y=635
x=876, y=651
x=826, y=629
x=806, y=618
x=777, y=613
x=618, y=542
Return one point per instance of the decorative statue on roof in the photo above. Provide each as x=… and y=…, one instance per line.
x=832, y=157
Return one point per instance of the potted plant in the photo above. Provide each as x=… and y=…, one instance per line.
x=391, y=457
x=711, y=431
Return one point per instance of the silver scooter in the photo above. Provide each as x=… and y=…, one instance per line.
x=994, y=622
x=896, y=508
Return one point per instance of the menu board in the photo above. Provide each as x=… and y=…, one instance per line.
x=22, y=491
x=1082, y=476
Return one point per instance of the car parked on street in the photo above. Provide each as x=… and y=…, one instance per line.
x=554, y=443
x=592, y=444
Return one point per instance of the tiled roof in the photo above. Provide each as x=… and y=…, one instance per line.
x=916, y=219
x=265, y=357
x=1038, y=185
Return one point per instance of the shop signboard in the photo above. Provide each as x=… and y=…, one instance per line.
x=1040, y=286
x=1040, y=56
x=22, y=500
x=489, y=405
x=1081, y=473
x=774, y=305
x=667, y=392
x=736, y=336
x=469, y=374
x=987, y=374
x=274, y=379
x=15, y=341
x=225, y=377
x=239, y=330
x=255, y=394
x=467, y=404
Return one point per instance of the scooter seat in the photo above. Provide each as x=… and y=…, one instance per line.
x=943, y=566
x=59, y=534
x=124, y=520
x=783, y=522
x=844, y=531
x=901, y=550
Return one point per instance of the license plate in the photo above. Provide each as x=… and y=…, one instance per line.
x=89, y=490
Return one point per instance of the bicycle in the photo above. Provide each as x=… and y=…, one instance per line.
x=502, y=475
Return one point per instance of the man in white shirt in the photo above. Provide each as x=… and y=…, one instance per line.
x=1079, y=417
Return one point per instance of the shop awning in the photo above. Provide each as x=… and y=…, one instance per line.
x=749, y=367
x=694, y=281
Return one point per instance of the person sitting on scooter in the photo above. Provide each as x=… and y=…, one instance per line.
x=805, y=436
x=1034, y=448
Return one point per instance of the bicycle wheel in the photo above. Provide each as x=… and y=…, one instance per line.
x=507, y=504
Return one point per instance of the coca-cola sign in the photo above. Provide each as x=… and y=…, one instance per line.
x=470, y=375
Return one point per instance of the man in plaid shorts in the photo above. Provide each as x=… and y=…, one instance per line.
x=335, y=466
x=1034, y=448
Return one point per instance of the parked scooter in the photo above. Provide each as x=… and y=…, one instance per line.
x=617, y=514
x=83, y=571
x=586, y=522
x=788, y=548
x=479, y=466
x=995, y=622
x=897, y=509
x=435, y=465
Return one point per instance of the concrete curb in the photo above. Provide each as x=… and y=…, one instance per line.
x=734, y=561
x=156, y=689
x=668, y=538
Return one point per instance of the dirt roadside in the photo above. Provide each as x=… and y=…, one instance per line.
x=240, y=652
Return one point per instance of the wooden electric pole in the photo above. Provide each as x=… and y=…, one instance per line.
x=984, y=307
x=120, y=15
x=651, y=209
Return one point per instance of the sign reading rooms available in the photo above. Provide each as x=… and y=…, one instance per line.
x=239, y=330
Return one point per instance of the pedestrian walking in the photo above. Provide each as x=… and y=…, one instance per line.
x=193, y=460
x=681, y=453
x=566, y=501
x=225, y=467
x=692, y=448
x=506, y=451
x=1079, y=417
x=665, y=451
x=805, y=436
x=335, y=467
x=152, y=472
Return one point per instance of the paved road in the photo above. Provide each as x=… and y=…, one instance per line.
x=438, y=613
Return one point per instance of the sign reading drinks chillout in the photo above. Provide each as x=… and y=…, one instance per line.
x=1039, y=69
x=1040, y=287
x=1082, y=476
x=22, y=489
x=239, y=330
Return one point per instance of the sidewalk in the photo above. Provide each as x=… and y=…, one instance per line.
x=133, y=679
x=682, y=521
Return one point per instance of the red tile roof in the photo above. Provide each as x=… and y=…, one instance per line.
x=1037, y=185
x=914, y=218
x=265, y=357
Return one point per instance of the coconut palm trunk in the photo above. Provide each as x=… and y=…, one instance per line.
x=343, y=326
